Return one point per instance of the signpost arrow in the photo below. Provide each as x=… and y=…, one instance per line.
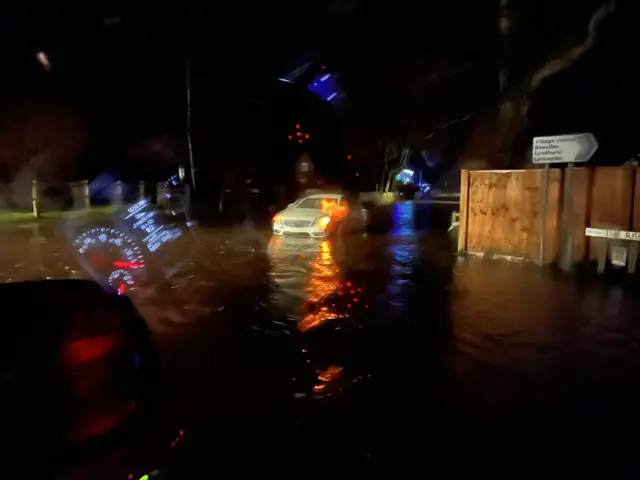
x=569, y=149
x=578, y=147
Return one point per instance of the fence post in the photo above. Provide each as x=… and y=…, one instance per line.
x=117, y=193
x=633, y=257
x=464, y=210
x=85, y=194
x=566, y=222
x=34, y=198
x=141, y=190
x=161, y=195
x=186, y=203
x=80, y=194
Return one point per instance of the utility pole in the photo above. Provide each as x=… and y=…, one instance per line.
x=190, y=146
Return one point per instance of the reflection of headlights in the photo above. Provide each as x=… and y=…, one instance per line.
x=277, y=219
x=322, y=221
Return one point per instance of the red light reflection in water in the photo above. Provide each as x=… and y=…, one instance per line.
x=330, y=374
x=328, y=298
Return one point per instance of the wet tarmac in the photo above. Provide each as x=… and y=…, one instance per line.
x=374, y=350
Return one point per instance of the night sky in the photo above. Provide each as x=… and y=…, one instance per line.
x=600, y=93
x=123, y=65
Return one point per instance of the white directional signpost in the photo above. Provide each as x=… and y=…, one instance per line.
x=568, y=149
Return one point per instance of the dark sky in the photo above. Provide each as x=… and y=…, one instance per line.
x=123, y=62
x=600, y=93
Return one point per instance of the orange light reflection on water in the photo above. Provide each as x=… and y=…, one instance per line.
x=324, y=281
x=324, y=275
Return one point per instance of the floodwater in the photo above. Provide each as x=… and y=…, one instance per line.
x=379, y=350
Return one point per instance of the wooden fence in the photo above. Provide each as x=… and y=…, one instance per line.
x=500, y=210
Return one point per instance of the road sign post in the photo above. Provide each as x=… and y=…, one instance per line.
x=543, y=210
x=561, y=149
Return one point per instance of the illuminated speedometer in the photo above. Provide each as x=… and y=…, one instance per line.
x=121, y=280
x=107, y=250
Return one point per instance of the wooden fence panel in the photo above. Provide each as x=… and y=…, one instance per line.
x=503, y=213
x=480, y=182
x=500, y=210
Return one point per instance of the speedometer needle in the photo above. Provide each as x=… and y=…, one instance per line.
x=127, y=265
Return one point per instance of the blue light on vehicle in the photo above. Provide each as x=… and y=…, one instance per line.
x=326, y=88
x=405, y=176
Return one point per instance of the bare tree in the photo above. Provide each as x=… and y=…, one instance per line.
x=395, y=159
x=515, y=93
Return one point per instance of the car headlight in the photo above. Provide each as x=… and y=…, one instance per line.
x=277, y=219
x=322, y=221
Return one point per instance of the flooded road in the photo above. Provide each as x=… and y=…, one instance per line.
x=389, y=345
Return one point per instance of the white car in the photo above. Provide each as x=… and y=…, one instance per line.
x=314, y=216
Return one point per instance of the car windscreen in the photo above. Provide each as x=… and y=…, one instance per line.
x=315, y=202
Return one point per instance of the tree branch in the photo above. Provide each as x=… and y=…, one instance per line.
x=448, y=74
x=574, y=53
x=447, y=125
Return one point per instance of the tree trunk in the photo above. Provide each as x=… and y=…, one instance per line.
x=505, y=23
x=511, y=125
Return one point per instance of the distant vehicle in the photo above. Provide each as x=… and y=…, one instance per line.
x=314, y=216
